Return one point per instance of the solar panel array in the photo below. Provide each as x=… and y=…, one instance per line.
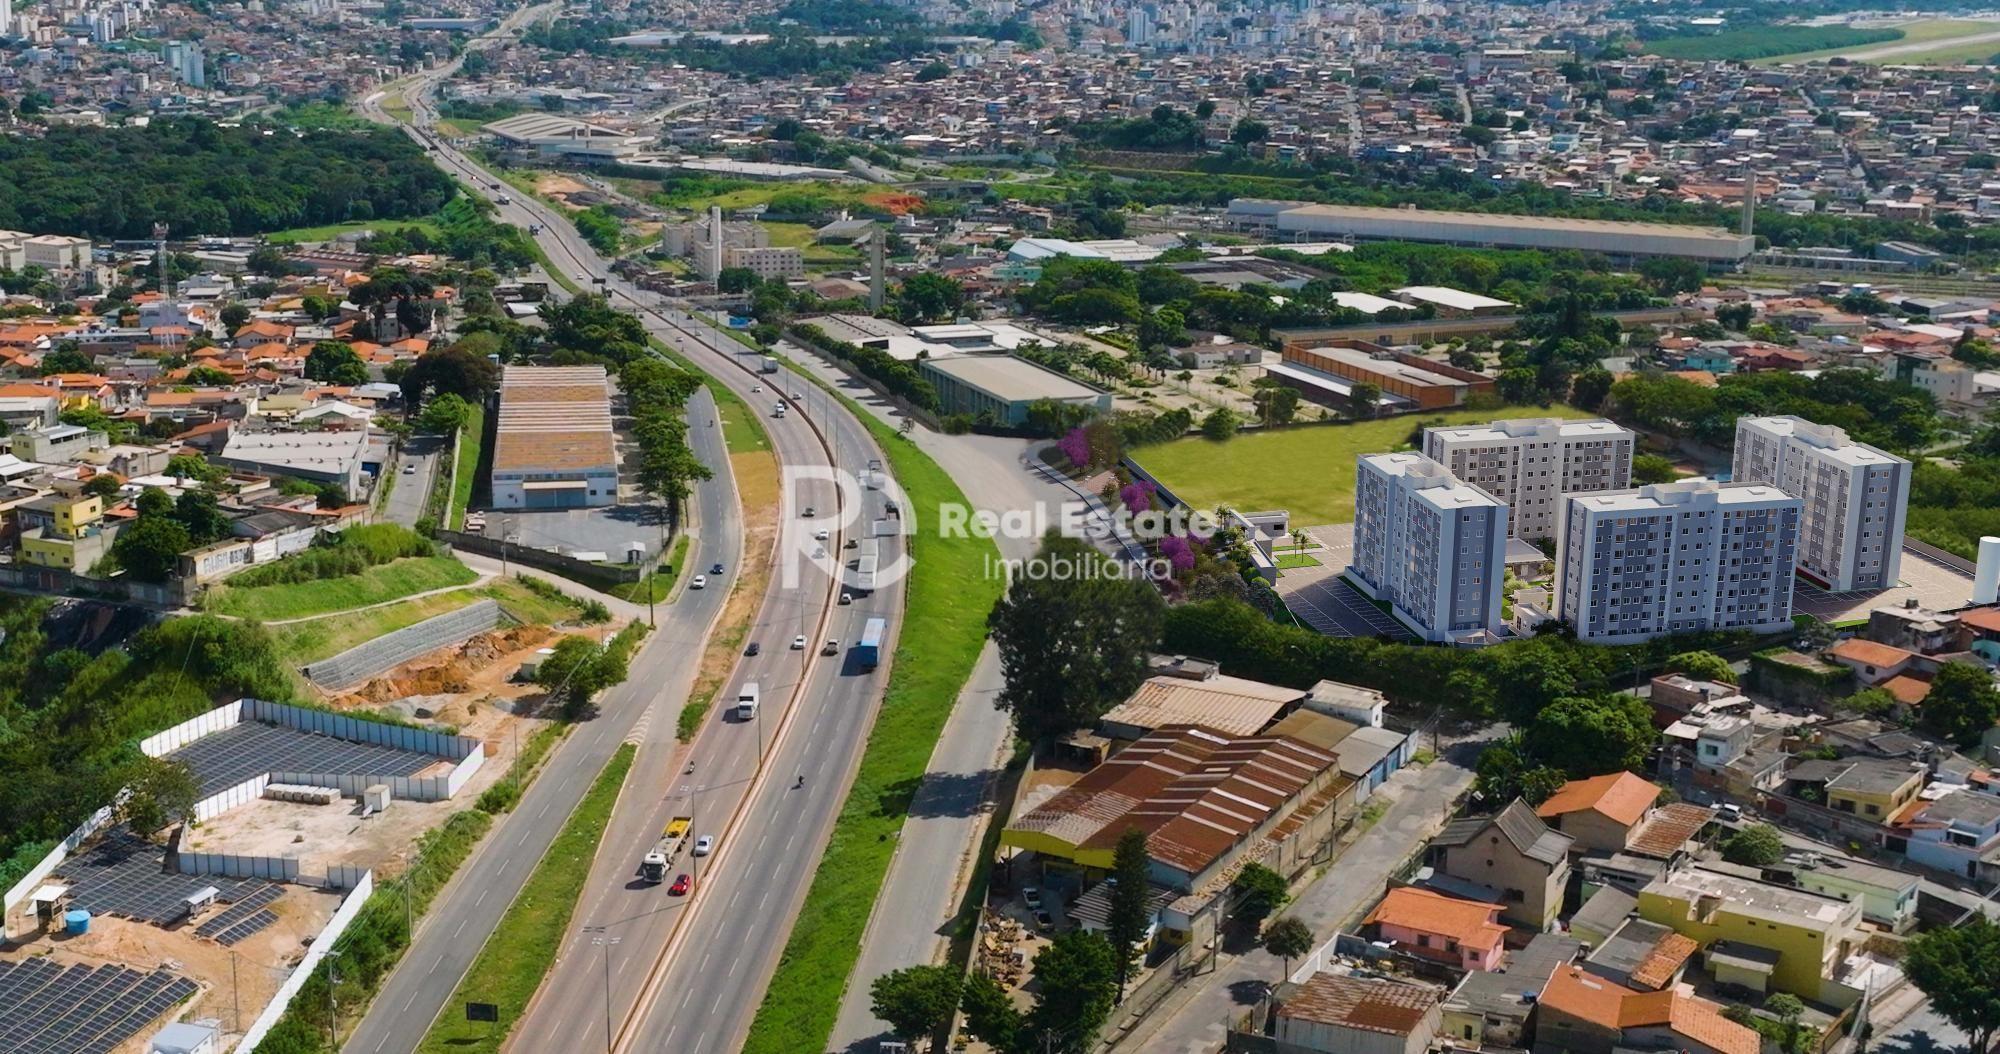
x=54, y=1009
x=241, y=919
x=126, y=876
x=245, y=751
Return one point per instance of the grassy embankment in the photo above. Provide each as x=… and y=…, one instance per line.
x=306, y=642
x=1760, y=42
x=376, y=585
x=519, y=951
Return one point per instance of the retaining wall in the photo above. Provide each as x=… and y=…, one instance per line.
x=385, y=653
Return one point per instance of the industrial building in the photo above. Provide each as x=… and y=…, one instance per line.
x=1430, y=545
x=553, y=445
x=1675, y=558
x=1620, y=240
x=1002, y=387
x=1531, y=462
x=1854, y=497
x=553, y=135
x=1327, y=373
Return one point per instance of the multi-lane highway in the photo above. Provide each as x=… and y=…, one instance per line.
x=688, y=972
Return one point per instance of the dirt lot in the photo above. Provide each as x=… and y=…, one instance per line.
x=559, y=187
x=261, y=961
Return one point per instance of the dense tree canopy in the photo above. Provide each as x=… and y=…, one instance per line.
x=199, y=177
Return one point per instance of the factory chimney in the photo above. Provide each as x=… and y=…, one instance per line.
x=1749, y=201
x=876, y=280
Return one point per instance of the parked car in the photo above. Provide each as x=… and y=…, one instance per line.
x=1031, y=896
x=680, y=886
x=704, y=845
x=1044, y=920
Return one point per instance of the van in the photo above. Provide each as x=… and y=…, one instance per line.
x=746, y=702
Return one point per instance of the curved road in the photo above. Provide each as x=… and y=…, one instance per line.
x=670, y=989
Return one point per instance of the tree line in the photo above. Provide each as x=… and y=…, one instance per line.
x=199, y=177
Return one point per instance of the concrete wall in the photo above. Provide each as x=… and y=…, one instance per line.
x=384, y=653
x=321, y=945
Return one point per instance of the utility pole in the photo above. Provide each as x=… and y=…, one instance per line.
x=605, y=943
x=235, y=995
x=332, y=1011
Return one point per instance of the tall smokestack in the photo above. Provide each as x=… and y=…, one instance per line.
x=876, y=280
x=1749, y=201
x=715, y=243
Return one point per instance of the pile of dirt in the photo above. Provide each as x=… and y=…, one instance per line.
x=451, y=672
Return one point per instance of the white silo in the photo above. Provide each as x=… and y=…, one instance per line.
x=1986, y=580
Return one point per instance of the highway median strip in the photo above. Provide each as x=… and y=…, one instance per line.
x=948, y=595
x=521, y=948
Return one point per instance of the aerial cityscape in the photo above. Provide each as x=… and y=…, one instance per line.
x=1047, y=527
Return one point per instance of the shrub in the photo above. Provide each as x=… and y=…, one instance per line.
x=335, y=554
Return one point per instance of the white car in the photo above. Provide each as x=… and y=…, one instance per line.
x=700, y=582
x=410, y=469
x=704, y=845
x=756, y=388
x=796, y=396
x=822, y=535
x=847, y=598
x=798, y=643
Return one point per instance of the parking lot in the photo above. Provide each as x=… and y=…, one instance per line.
x=1930, y=583
x=609, y=530
x=1321, y=600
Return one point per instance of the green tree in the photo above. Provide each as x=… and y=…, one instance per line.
x=1959, y=968
x=1363, y=399
x=456, y=370
x=1870, y=702
x=1073, y=641
x=1129, y=920
x=1736, y=316
x=66, y=357
x=1652, y=468
x=1758, y=845
x=444, y=414
x=574, y=672
x=199, y=512
x=1220, y=423
x=1504, y=773
x=1077, y=974
x=1161, y=329
x=149, y=549
x=208, y=377
x=990, y=1014
x=1591, y=735
x=935, y=71
x=194, y=467
x=1288, y=938
x=1701, y=665
x=1589, y=388
x=1248, y=131
x=927, y=296
x=1962, y=703
x=234, y=316
x=1276, y=404
x=336, y=362
x=106, y=486
x=735, y=280
x=917, y=1000
x=1259, y=892
x=162, y=793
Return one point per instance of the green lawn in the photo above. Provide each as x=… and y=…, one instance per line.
x=307, y=642
x=944, y=626
x=1291, y=560
x=333, y=230
x=1941, y=30
x=1307, y=469
x=469, y=439
x=800, y=235
x=390, y=581
x=519, y=951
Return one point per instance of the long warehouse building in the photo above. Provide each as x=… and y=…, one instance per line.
x=1617, y=239
x=553, y=447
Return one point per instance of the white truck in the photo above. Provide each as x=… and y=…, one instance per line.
x=770, y=365
x=746, y=702
x=653, y=866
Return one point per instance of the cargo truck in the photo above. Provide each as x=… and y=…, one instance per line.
x=868, y=651
x=770, y=365
x=653, y=868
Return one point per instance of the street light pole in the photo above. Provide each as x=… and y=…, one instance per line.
x=606, y=944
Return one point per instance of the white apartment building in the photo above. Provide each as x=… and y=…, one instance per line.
x=1430, y=545
x=775, y=261
x=1531, y=462
x=1676, y=557
x=1854, y=497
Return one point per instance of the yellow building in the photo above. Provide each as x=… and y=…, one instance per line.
x=76, y=516
x=1756, y=934
x=1875, y=788
x=63, y=532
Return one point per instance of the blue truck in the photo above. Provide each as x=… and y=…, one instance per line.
x=868, y=652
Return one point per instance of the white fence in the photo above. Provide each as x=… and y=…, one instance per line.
x=36, y=874
x=160, y=744
x=230, y=865
x=356, y=730
x=321, y=945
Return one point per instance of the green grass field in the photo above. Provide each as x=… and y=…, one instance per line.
x=469, y=440
x=800, y=235
x=390, y=581
x=334, y=230
x=944, y=626
x=1307, y=469
x=1763, y=42
x=1943, y=31
x=519, y=952
x=1287, y=561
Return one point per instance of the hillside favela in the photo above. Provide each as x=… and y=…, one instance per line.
x=999, y=527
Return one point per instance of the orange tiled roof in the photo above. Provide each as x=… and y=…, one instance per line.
x=1616, y=1008
x=1658, y=967
x=1619, y=795
x=1466, y=921
x=1869, y=652
x=1908, y=690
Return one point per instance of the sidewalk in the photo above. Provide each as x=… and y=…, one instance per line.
x=1194, y=1019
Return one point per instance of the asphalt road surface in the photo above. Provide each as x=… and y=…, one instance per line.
x=406, y=501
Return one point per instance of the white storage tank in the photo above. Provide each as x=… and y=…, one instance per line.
x=1986, y=579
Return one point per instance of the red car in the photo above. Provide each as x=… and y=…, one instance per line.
x=680, y=886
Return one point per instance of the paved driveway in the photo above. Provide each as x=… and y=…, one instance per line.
x=406, y=501
x=1321, y=600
